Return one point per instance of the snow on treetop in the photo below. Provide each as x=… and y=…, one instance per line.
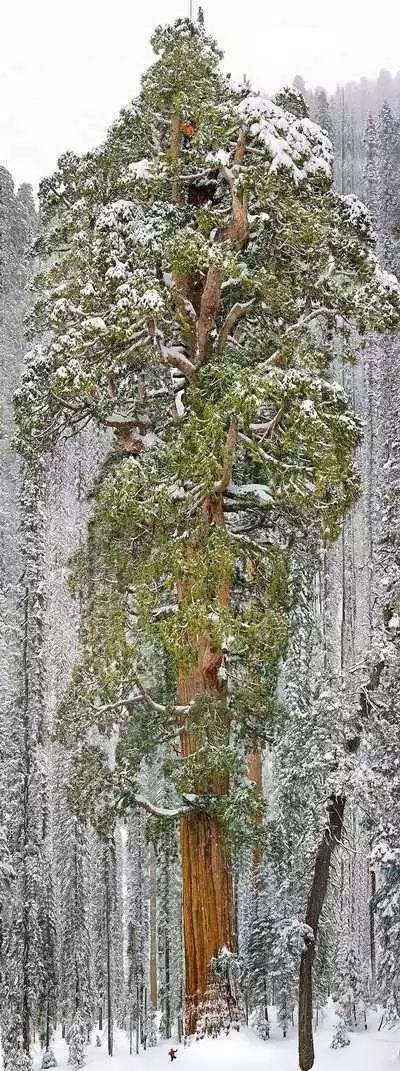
x=296, y=144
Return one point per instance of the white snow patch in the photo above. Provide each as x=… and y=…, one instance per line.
x=377, y=1050
x=140, y=168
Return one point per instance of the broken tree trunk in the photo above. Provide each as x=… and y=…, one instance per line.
x=332, y=836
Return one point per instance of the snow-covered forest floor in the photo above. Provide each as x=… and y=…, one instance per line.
x=376, y=1049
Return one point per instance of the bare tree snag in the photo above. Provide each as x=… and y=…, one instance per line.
x=332, y=837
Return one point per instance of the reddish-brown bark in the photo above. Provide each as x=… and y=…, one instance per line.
x=207, y=887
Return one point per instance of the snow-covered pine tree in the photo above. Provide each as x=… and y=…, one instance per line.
x=17, y=225
x=181, y=320
x=389, y=187
x=137, y=927
x=340, y=1035
x=48, y=1059
x=169, y=899
x=76, y=1038
x=371, y=175
x=384, y=739
x=20, y=1061
x=106, y=939
x=76, y=953
x=29, y=947
x=351, y=982
x=321, y=111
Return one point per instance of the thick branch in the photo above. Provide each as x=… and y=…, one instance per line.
x=160, y=708
x=144, y=696
x=229, y=456
x=162, y=812
x=269, y=427
x=187, y=313
x=171, y=355
x=238, y=230
x=235, y=313
x=189, y=805
x=209, y=305
x=240, y=150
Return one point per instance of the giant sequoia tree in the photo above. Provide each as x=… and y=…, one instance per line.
x=199, y=267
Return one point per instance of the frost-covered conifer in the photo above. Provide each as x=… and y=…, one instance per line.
x=17, y=224
x=371, y=178
x=169, y=932
x=76, y=962
x=18, y=1061
x=340, y=1036
x=76, y=1037
x=389, y=186
x=30, y=972
x=48, y=1059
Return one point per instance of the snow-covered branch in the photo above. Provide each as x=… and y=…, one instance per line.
x=189, y=805
x=303, y=321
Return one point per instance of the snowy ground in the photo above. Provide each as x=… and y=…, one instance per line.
x=370, y=1051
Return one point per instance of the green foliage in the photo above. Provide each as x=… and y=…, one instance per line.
x=226, y=259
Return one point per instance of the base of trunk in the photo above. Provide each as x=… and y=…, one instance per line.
x=208, y=916
x=306, y=1043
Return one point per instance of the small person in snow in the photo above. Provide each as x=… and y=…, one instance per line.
x=172, y=1054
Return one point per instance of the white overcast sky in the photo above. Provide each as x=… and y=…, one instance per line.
x=67, y=66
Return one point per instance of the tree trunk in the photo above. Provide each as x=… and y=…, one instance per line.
x=110, y=1024
x=168, y=1030
x=207, y=885
x=331, y=838
x=153, y=929
x=138, y=1019
x=372, y=929
x=48, y=1029
x=207, y=906
x=26, y=1011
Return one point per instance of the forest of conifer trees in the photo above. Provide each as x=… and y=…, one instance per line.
x=200, y=578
